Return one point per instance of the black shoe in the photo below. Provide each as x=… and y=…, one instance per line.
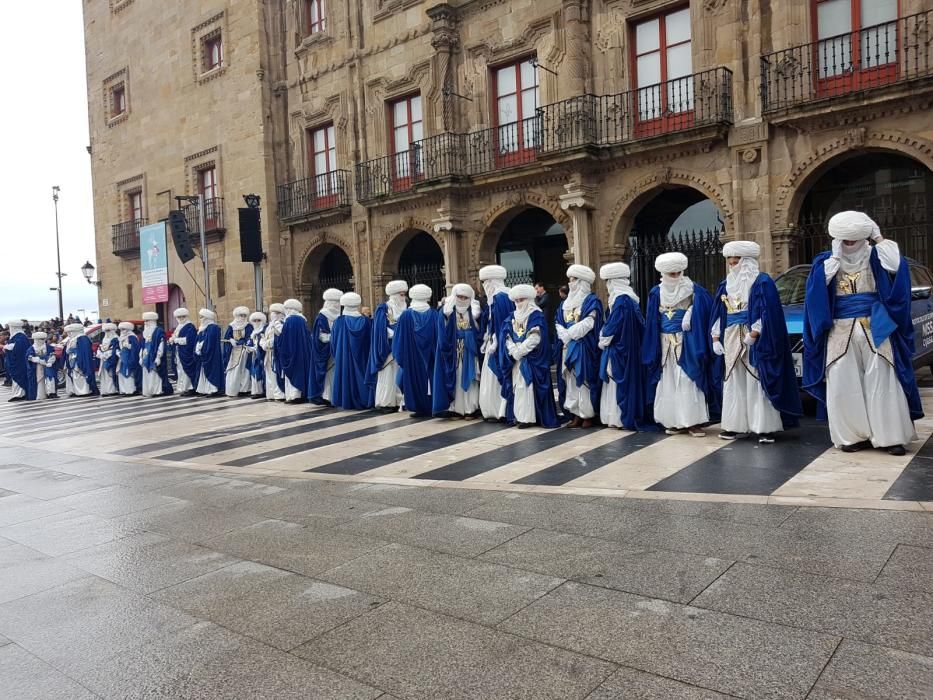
x=728, y=435
x=52, y=396
x=856, y=447
x=896, y=450
x=526, y=425
x=17, y=398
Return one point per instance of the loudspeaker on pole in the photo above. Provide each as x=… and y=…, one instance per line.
x=181, y=236
x=250, y=235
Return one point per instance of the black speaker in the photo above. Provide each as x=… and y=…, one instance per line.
x=180, y=235
x=250, y=236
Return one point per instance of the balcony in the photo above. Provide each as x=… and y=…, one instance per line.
x=126, y=238
x=214, y=228
x=849, y=65
x=436, y=159
x=311, y=196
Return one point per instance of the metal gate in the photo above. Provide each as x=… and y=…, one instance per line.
x=703, y=249
x=430, y=274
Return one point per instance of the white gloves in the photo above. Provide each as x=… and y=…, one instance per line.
x=686, y=323
x=837, y=248
x=50, y=361
x=449, y=305
x=391, y=332
x=581, y=328
x=324, y=337
x=9, y=346
x=492, y=345
x=197, y=348
x=476, y=308
x=263, y=344
x=876, y=233
x=562, y=333
x=718, y=348
x=179, y=340
x=749, y=339
x=35, y=359
x=605, y=341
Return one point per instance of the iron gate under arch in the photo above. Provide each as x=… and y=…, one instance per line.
x=703, y=249
x=430, y=274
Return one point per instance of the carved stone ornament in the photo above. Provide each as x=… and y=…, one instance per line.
x=713, y=7
x=750, y=155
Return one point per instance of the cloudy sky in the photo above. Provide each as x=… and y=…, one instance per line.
x=45, y=121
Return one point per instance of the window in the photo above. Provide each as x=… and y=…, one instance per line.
x=663, y=72
x=136, y=206
x=118, y=101
x=856, y=43
x=314, y=16
x=323, y=163
x=407, y=132
x=207, y=188
x=516, y=90
x=213, y=52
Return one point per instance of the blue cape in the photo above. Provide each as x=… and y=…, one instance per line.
x=32, y=383
x=582, y=356
x=380, y=346
x=535, y=368
x=413, y=350
x=15, y=359
x=152, y=348
x=497, y=312
x=83, y=359
x=293, y=352
x=626, y=325
x=320, y=356
x=257, y=360
x=349, y=342
x=129, y=360
x=557, y=352
x=895, y=299
x=226, y=349
x=770, y=355
x=110, y=364
x=211, y=359
x=184, y=354
x=444, y=385
x=697, y=360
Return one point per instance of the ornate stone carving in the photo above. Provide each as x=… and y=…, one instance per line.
x=750, y=155
x=713, y=7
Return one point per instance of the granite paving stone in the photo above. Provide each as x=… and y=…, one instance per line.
x=748, y=513
x=312, y=506
x=276, y=607
x=25, y=677
x=295, y=547
x=453, y=534
x=191, y=522
x=434, y=500
x=414, y=653
x=147, y=478
x=909, y=568
x=856, y=525
x=672, y=576
x=111, y=501
x=875, y=614
x=24, y=571
x=65, y=532
x=83, y=622
x=704, y=537
x=148, y=561
x=19, y=508
x=206, y=661
x=43, y=483
x=859, y=671
x=473, y=590
x=631, y=684
x=218, y=491
x=709, y=649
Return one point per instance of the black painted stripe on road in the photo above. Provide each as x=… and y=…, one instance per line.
x=84, y=406
x=586, y=462
x=915, y=483
x=117, y=413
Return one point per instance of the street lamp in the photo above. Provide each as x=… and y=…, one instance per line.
x=252, y=202
x=88, y=271
x=58, y=255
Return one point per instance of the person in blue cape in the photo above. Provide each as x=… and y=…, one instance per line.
x=257, y=356
x=155, y=380
x=129, y=373
x=413, y=349
x=455, y=386
x=525, y=359
x=293, y=351
x=350, y=342
x=498, y=308
x=274, y=379
x=234, y=355
x=78, y=354
x=683, y=375
x=15, y=360
x=858, y=338
x=760, y=394
x=321, y=375
x=187, y=367
x=579, y=320
x=382, y=369
x=624, y=402
x=108, y=356
x=43, y=376
x=210, y=358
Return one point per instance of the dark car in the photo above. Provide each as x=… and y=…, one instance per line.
x=792, y=286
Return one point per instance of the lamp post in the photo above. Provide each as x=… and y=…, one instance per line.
x=58, y=255
x=88, y=271
x=252, y=202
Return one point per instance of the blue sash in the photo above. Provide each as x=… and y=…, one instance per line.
x=675, y=324
x=737, y=318
x=866, y=305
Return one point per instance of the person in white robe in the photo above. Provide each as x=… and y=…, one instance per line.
x=321, y=380
x=15, y=359
x=41, y=358
x=274, y=391
x=128, y=363
x=208, y=351
x=186, y=363
x=152, y=378
x=257, y=376
x=458, y=351
x=388, y=395
x=297, y=321
x=236, y=372
x=498, y=307
x=108, y=353
x=578, y=323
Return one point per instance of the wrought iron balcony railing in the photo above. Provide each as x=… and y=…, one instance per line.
x=894, y=52
x=126, y=236
x=213, y=218
x=435, y=158
x=314, y=194
x=502, y=147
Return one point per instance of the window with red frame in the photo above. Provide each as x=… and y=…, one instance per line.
x=663, y=72
x=315, y=19
x=207, y=187
x=213, y=52
x=407, y=131
x=516, y=91
x=856, y=44
x=136, y=205
x=323, y=164
x=118, y=101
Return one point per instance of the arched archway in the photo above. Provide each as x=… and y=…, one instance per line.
x=416, y=257
x=893, y=189
x=326, y=266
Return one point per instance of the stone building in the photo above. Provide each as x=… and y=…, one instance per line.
x=405, y=138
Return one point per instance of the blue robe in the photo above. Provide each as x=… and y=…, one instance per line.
x=697, y=360
x=380, y=346
x=350, y=342
x=129, y=361
x=535, y=368
x=320, y=358
x=32, y=383
x=626, y=325
x=152, y=349
x=15, y=360
x=256, y=361
x=413, y=350
x=184, y=354
x=81, y=357
x=582, y=356
x=293, y=352
x=110, y=364
x=226, y=349
x=211, y=359
x=770, y=355
x=891, y=314
x=499, y=310
x=445, y=377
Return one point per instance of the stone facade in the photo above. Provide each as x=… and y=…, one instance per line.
x=593, y=164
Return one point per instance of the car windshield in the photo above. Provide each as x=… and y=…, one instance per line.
x=792, y=285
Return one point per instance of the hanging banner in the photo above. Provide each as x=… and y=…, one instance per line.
x=153, y=259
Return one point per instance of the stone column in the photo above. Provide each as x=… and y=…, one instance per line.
x=579, y=200
x=446, y=42
x=449, y=226
x=574, y=75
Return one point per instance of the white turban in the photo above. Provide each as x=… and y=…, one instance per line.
x=257, y=317
x=492, y=272
x=178, y=313
x=125, y=326
x=75, y=327
x=667, y=263
x=39, y=335
x=110, y=327
x=524, y=297
x=852, y=226
x=293, y=305
x=616, y=270
x=741, y=249
x=522, y=291
x=241, y=311
x=351, y=299
x=208, y=314
x=15, y=324
x=330, y=295
x=463, y=290
x=276, y=309
x=420, y=292
x=150, y=316
x=396, y=287
x=581, y=272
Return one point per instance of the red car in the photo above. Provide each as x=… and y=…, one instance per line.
x=96, y=333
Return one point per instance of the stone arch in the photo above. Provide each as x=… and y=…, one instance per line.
x=495, y=220
x=395, y=242
x=792, y=192
x=314, y=253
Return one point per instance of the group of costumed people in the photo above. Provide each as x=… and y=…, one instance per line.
x=690, y=360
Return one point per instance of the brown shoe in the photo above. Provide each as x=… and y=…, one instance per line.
x=575, y=423
x=587, y=423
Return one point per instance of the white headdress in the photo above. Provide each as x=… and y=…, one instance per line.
x=666, y=263
x=332, y=294
x=179, y=312
x=420, y=292
x=126, y=326
x=743, y=274
x=616, y=276
x=741, y=249
x=851, y=226
x=673, y=290
x=581, y=272
x=396, y=287
x=581, y=278
x=150, y=316
x=492, y=272
x=524, y=297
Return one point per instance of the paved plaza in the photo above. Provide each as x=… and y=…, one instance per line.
x=215, y=548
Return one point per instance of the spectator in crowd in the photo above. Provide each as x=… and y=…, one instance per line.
x=542, y=300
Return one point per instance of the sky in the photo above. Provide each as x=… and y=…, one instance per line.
x=44, y=116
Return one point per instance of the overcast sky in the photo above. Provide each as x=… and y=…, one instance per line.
x=44, y=118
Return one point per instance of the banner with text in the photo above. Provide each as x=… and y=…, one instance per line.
x=153, y=259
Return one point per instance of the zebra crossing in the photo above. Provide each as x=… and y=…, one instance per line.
x=258, y=437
